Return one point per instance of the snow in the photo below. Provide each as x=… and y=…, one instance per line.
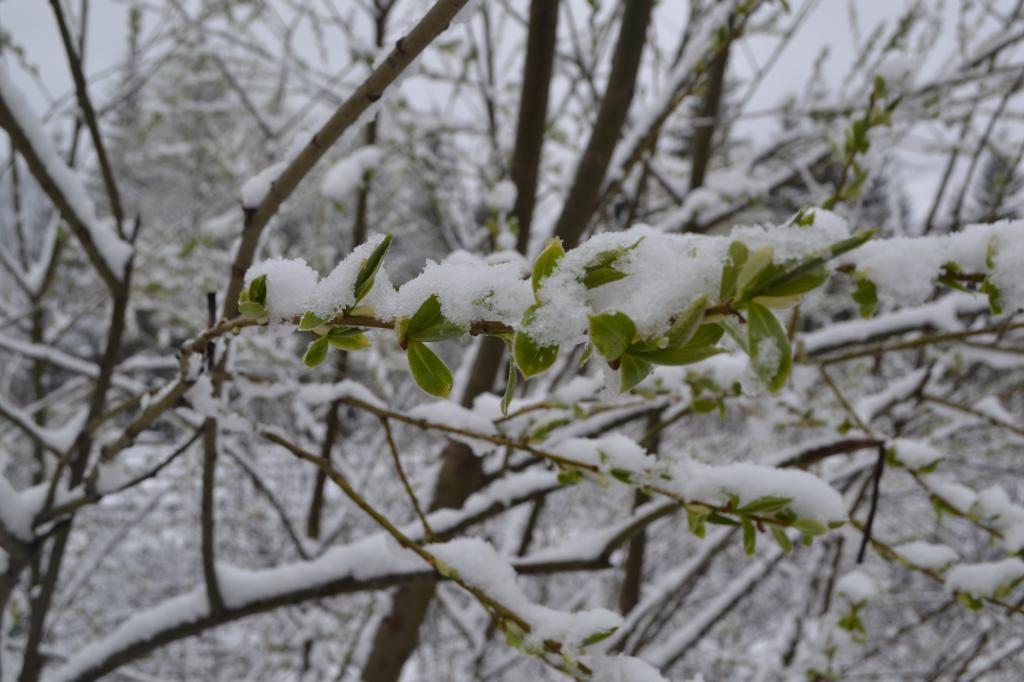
x=942, y=315
x=928, y=555
x=870, y=406
x=453, y=415
x=914, y=453
x=255, y=189
x=904, y=269
x=614, y=451
x=985, y=579
x=995, y=508
x=58, y=438
x=316, y=394
x=813, y=498
x=1008, y=269
x=468, y=289
x=857, y=586
x=17, y=510
x=502, y=196
x=114, y=251
x=336, y=291
x=479, y=566
x=957, y=495
x=289, y=283
x=346, y=175
x=621, y=668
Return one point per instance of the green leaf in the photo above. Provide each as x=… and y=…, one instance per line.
x=428, y=324
x=995, y=296
x=858, y=238
x=749, y=535
x=768, y=347
x=970, y=601
x=687, y=323
x=599, y=636
x=429, y=371
x=569, y=476
x=600, y=271
x=632, y=370
x=706, y=335
x=368, y=271
x=250, y=309
x=597, y=277
x=531, y=357
x=546, y=262
x=611, y=334
x=510, y=385
x=310, y=321
x=678, y=356
x=810, y=527
x=316, y=352
x=720, y=520
x=794, y=282
x=695, y=520
x=258, y=290
x=755, y=265
x=866, y=296
x=782, y=539
x=765, y=505
x=622, y=475
x=738, y=255
x=348, y=338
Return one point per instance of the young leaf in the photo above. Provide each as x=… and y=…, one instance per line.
x=365, y=277
x=782, y=539
x=768, y=347
x=429, y=371
x=531, y=357
x=749, y=535
x=687, y=322
x=755, y=265
x=738, y=254
x=596, y=277
x=428, y=324
x=310, y=321
x=678, y=356
x=765, y=505
x=250, y=309
x=546, y=262
x=510, y=385
x=611, y=334
x=632, y=370
x=258, y=290
x=599, y=636
x=600, y=271
x=810, y=527
x=695, y=520
x=316, y=352
x=348, y=338
x=866, y=296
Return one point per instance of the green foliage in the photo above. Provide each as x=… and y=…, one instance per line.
x=611, y=334
x=768, y=346
x=368, y=271
x=428, y=324
x=546, y=263
x=428, y=370
x=347, y=338
x=316, y=352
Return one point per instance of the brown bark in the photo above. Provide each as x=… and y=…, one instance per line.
x=611, y=116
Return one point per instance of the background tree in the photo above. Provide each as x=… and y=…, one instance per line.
x=770, y=452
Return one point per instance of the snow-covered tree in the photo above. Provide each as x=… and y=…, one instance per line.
x=484, y=340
